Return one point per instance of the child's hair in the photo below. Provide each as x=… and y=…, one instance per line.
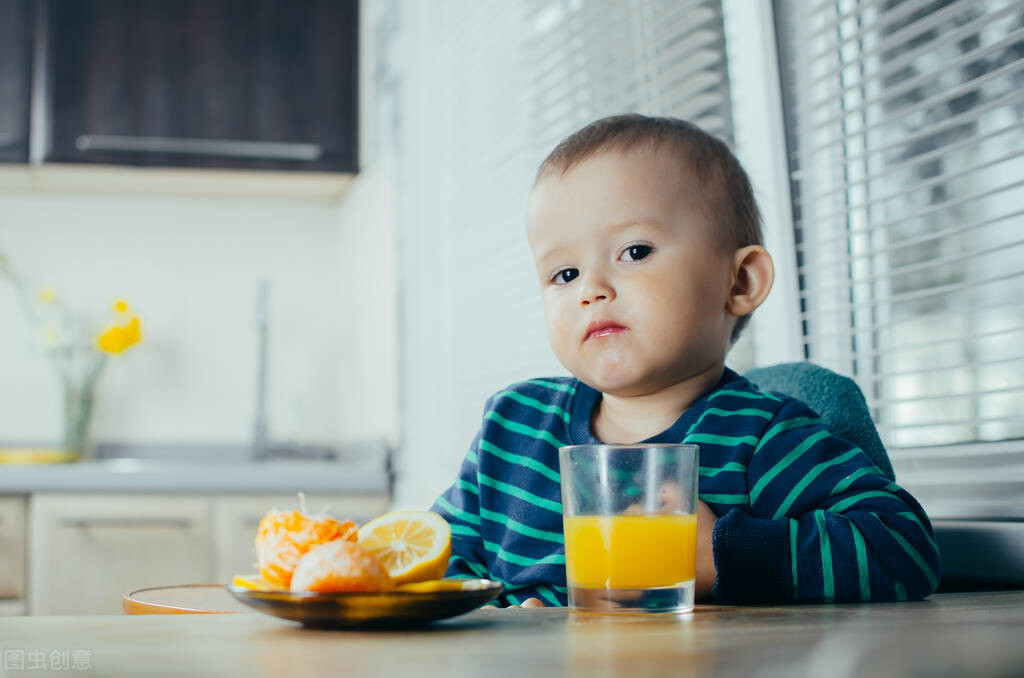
x=728, y=196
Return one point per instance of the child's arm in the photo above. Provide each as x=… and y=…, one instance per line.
x=822, y=524
x=460, y=507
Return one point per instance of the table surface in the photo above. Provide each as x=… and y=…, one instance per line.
x=955, y=634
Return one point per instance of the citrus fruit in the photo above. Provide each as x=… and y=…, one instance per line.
x=340, y=565
x=283, y=537
x=412, y=545
x=433, y=586
x=252, y=581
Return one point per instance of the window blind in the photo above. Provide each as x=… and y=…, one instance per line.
x=906, y=150
x=479, y=91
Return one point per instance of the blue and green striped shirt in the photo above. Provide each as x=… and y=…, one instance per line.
x=802, y=515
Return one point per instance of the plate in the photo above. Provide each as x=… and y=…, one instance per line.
x=181, y=599
x=408, y=606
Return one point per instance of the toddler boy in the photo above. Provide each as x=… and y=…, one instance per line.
x=647, y=243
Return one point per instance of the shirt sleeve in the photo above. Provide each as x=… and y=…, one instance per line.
x=823, y=524
x=460, y=506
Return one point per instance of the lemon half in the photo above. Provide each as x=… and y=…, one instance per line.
x=411, y=545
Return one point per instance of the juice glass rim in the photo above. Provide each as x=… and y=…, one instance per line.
x=626, y=446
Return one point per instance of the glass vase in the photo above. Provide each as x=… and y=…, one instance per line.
x=78, y=403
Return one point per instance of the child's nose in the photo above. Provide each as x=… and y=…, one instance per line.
x=594, y=289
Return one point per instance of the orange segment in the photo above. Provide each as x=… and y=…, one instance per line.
x=412, y=545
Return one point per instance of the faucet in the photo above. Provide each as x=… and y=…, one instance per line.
x=260, y=447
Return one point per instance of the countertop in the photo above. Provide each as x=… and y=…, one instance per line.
x=149, y=475
x=955, y=634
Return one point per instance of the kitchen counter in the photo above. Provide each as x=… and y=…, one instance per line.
x=148, y=475
x=954, y=634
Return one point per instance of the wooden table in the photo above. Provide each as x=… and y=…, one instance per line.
x=956, y=634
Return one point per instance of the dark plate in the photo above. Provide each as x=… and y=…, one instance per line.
x=386, y=609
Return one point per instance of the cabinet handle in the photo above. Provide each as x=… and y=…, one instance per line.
x=179, y=523
x=270, y=150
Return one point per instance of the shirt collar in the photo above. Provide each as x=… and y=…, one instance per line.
x=586, y=398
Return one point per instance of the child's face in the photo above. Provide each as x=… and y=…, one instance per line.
x=622, y=238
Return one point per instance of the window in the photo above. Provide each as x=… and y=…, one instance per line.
x=906, y=157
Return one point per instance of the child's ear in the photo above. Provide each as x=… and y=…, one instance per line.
x=752, y=278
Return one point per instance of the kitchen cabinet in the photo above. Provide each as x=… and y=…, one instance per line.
x=250, y=84
x=16, y=41
x=237, y=517
x=12, y=554
x=87, y=550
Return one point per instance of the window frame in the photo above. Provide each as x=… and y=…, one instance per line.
x=754, y=85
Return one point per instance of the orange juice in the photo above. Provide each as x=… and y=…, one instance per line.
x=630, y=551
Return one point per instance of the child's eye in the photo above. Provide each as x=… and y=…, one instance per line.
x=636, y=252
x=566, y=275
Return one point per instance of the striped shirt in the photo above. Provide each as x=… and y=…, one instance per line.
x=802, y=515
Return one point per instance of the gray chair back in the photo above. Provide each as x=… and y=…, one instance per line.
x=837, y=399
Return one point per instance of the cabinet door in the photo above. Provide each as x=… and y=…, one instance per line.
x=88, y=550
x=12, y=548
x=238, y=516
x=265, y=84
x=16, y=33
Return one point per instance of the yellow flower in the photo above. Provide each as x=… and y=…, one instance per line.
x=49, y=336
x=48, y=295
x=119, y=337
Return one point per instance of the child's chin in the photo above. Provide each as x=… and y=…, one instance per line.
x=615, y=384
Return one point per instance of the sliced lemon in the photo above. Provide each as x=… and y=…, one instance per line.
x=412, y=545
x=433, y=586
x=252, y=581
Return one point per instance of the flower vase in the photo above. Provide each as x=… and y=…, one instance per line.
x=78, y=402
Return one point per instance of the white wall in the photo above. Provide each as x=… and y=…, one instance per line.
x=190, y=267
x=367, y=408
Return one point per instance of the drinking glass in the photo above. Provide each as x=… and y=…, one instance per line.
x=630, y=518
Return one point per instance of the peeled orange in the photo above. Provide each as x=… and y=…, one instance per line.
x=340, y=565
x=411, y=545
x=283, y=537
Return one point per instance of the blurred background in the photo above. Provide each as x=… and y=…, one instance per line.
x=315, y=209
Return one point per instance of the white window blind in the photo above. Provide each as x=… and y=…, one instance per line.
x=478, y=92
x=906, y=150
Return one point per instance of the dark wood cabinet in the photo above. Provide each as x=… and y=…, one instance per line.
x=16, y=40
x=253, y=84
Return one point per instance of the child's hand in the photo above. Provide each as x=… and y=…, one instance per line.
x=705, y=558
x=530, y=602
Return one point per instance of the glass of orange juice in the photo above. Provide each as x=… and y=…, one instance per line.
x=630, y=519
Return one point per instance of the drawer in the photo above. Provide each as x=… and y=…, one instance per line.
x=88, y=550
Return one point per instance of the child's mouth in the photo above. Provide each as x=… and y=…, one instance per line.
x=604, y=330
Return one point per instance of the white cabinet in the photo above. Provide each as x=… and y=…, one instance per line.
x=236, y=519
x=87, y=550
x=12, y=554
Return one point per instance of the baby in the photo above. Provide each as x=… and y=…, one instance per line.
x=647, y=243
